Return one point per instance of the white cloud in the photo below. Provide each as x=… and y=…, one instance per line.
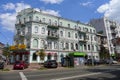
x=86, y=4
x=111, y=9
x=9, y=6
x=52, y=1
x=7, y=20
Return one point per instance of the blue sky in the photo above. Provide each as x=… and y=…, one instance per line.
x=82, y=10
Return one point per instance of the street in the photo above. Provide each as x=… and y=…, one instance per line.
x=103, y=72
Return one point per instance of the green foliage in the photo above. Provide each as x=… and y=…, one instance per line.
x=6, y=51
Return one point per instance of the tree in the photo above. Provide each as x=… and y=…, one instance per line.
x=6, y=52
x=41, y=53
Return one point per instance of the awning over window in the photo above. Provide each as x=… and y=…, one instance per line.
x=78, y=54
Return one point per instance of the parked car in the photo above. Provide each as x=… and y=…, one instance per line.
x=89, y=62
x=20, y=65
x=108, y=61
x=50, y=64
x=1, y=65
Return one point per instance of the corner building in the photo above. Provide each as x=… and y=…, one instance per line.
x=56, y=35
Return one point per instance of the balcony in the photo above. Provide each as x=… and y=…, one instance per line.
x=20, y=24
x=112, y=26
x=54, y=37
x=53, y=27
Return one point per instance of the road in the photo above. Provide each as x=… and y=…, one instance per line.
x=89, y=73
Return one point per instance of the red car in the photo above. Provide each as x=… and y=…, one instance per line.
x=20, y=65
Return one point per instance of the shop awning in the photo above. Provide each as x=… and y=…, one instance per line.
x=78, y=54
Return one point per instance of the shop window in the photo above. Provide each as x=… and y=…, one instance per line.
x=55, y=56
x=49, y=56
x=34, y=58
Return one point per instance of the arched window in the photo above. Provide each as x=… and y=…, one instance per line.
x=76, y=46
x=67, y=46
x=69, y=34
x=61, y=33
x=88, y=47
x=36, y=29
x=85, y=48
x=34, y=57
x=72, y=46
x=43, y=30
x=35, y=43
x=42, y=44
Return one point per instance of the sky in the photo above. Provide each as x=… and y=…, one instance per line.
x=77, y=10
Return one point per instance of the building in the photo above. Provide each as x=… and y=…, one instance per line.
x=103, y=46
x=110, y=29
x=56, y=35
x=1, y=51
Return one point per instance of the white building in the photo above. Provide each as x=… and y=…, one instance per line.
x=56, y=35
x=111, y=29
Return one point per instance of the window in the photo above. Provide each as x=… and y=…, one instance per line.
x=75, y=27
x=30, y=18
x=88, y=47
x=55, y=23
x=36, y=29
x=69, y=25
x=43, y=20
x=35, y=43
x=76, y=46
x=34, y=58
x=85, y=48
x=61, y=45
x=43, y=30
x=55, y=45
x=61, y=33
x=76, y=36
x=72, y=46
x=37, y=18
x=24, y=20
x=80, y=28
x=42, y=44
x=67, y=46
x=60, y=24
x=49, y=21
x=80, y=36
x=49, y=45
x=69, y=34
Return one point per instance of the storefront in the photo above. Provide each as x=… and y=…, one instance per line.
x=79, y=58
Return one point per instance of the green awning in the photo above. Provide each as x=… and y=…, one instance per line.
x=78, y=54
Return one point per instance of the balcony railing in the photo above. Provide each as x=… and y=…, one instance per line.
x=52, y=37
x=53, y=26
